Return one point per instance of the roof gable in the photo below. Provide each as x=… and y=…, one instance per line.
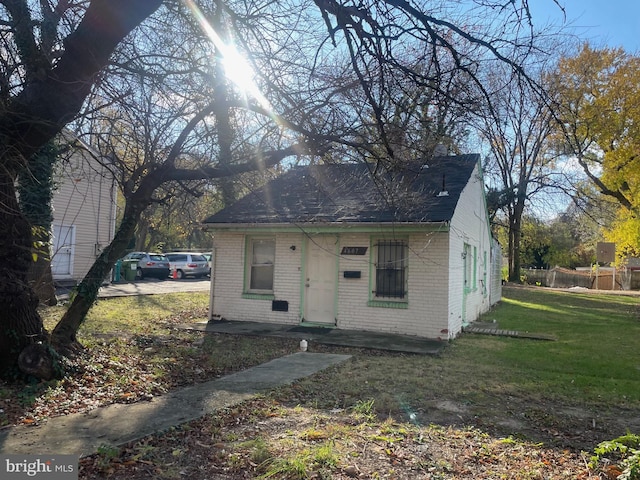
x=355, y=193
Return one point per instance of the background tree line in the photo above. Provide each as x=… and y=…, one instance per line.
x=576, y=144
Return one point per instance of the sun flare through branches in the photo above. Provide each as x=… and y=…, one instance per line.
x=236, y=67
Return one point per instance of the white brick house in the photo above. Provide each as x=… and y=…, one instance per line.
x=339, y=246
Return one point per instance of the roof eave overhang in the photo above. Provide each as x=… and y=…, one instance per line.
x=328, y=227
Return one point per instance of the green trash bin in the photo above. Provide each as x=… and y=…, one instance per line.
x=117, y=272
x=129, y=268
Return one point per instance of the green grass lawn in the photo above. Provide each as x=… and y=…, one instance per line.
x=142, y=314
x=595, y=357
x=593, y=365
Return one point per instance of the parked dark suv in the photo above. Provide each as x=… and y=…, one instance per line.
x=149, y=264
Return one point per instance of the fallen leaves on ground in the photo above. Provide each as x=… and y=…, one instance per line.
x=287, y=435
x=264, y=439
x=127, y=368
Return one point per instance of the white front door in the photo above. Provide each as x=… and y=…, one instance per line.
x=62, y=254
x=321, y=278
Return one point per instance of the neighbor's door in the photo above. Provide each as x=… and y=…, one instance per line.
x=321, y=278
x=62, y=254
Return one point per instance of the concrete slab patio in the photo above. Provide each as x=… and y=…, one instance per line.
x=326, y=336
x=114, y=425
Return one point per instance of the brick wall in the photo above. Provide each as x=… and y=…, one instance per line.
x=425, y=316
x=229, y=280
x=437, y=305
x=469, y=225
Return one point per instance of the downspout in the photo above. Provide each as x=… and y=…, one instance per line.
x=113, y=194
x=213, y=283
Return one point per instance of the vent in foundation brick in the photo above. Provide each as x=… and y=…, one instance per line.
x=280, y=306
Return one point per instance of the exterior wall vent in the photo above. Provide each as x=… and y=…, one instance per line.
x=440, y=150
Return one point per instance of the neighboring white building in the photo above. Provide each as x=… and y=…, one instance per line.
x=342, y=247
x=84, y=213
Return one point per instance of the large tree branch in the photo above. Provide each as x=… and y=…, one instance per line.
x=45, y=105
x=51, y=17
x=259, y=161
x=427, y=20
x=35, y=63
x=617, y=194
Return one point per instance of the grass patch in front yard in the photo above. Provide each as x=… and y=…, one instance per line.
x=135, y=351
x=594, y=358
x=593, y=365
x=576, y=392
x=488, y=407
x=140, y=314
x=234, y=444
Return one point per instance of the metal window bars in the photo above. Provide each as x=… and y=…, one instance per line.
x=391, y=269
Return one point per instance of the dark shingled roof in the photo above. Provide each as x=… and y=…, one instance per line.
x=353, y=193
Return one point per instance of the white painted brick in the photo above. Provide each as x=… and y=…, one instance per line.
x=435, y=278
x=468, y=225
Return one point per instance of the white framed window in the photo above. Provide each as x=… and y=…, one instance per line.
x=391, y=261
x=261, y=256
x=470, y=256
x=475, y=268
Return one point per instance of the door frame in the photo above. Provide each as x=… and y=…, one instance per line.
x=69, y=242
x=304, y=290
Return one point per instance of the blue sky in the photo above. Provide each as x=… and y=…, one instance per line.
x=612, y=23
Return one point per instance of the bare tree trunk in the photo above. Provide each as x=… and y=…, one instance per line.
x=40, y=275
x=515, y=234
x=31, y=119
x=146, y=237
x=35, y=192
x=21, y=323
x=223, y=113
x=141, y=234
x=64, y=335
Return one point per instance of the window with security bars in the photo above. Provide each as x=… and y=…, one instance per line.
x=391, y=269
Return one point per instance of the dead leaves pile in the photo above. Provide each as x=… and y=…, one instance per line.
x=120, y=367
x=116, y=369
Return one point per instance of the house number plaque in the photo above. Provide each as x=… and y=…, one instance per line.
x=354, y=250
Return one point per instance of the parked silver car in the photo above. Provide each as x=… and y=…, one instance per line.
x=149, y=264
x=187, y=264
x=208, y=257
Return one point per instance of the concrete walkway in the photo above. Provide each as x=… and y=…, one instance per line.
x=147, y=286
x=114, y=425
x=484, y=328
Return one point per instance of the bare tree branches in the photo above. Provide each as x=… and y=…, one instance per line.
x=34, y=115
x=343, y=75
